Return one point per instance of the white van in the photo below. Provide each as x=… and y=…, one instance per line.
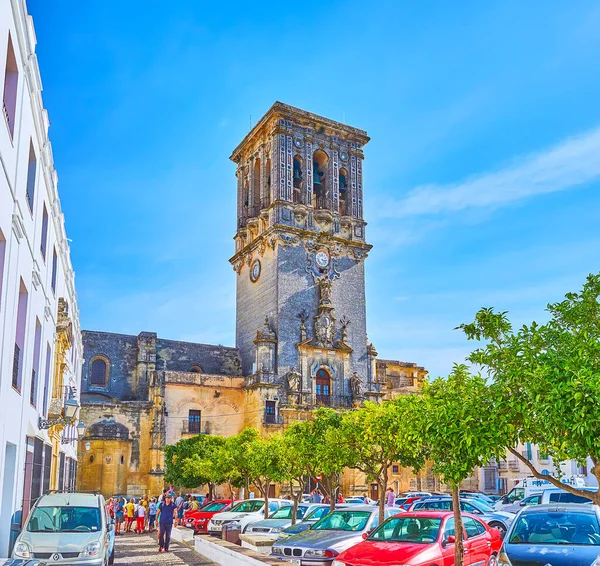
x=556, y=495
x=68, y=528
x=528, y=487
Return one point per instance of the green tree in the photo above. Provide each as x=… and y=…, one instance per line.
x=460, y=431
x=177, y=455
x=205, y=465
x=547, y=379
x=319, y=450
x=378, y=435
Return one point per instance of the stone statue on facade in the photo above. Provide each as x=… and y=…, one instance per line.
x=325, y=288
x=294, y=380
x=356, y=385
x=344, y=323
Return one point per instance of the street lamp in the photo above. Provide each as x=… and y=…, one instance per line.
x=69, y=411
x=81, y=428
x=87, y=446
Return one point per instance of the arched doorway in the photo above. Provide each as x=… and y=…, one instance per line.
x=323, y=387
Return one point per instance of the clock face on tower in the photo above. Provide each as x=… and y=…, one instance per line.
x=322, y=258
x=255, y=270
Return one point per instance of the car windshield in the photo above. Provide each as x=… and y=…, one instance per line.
x=418, y=530
x=250, y=506
x=345, y=520
x=559, y=527
x=478, y=504
x=317, y=513
x=64, y=520
x=214, y=507
x=286, y=512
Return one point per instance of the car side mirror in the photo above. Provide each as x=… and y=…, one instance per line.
x=449, y=540
x=15, y=527
x=523, y=503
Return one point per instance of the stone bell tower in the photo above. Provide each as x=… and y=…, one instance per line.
x=299, y=257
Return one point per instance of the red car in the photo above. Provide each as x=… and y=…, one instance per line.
x=198, y=520
x=423, y=539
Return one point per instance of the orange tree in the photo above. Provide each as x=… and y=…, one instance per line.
x=460, y=431
x=546, y=379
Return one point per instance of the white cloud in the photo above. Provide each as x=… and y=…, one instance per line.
x=572, y=163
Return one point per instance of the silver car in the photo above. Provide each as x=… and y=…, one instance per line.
x=319, y=511
x=500, y=520
x=68, y=528
x=329, y=536
x=282, y=518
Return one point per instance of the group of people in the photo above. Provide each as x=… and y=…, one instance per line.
x=151, y=513
x=127, y=512
x=316, y=497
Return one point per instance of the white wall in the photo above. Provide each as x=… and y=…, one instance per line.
x=21, y=227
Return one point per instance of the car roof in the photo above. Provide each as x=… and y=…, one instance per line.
x=69, y=499
x=428, y=514
x=369, y=508
x=558, y=508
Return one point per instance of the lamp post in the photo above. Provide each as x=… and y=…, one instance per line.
x=69, y=411
x=81, y=428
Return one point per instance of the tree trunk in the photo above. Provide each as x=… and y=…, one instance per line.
x=382, y=494
x=296, y=496
x=266, y=494
x=458, y=528
x=230, y=491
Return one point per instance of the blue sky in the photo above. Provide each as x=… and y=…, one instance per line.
x=481, y=180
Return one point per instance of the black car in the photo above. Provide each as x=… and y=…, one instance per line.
x=557, y=535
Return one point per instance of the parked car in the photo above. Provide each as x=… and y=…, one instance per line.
x=560, y=535
x=19, y=562
x=358, y=500
x=500, y=520
x=67, y=527
x=425, y=537
x=405, y=502
x=329, y=536
x=320, y=510
x=282, y=518
x=242, y=513
x=415, y=494
x=477, y=495
x=198, y=520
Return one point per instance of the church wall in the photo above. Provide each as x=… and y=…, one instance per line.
x=348, y=297
x=254, y=301
x=134, y=472
x=174, y=355
x=121, y=351
x=220, y=399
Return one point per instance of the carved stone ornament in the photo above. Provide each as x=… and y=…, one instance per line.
x=325, y=292
x=266, y=334
x=344, y=323
x=325, y=328
x=294, y=381
x=356, y=385
x=303, y=316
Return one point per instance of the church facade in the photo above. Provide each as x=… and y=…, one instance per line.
x=301, y=325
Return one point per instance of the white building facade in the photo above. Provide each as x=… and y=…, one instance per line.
x=40, y=338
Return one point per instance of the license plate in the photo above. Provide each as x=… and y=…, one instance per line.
x=295, y=561
x=217, y=528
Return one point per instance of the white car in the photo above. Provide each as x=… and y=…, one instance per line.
x=243, y=513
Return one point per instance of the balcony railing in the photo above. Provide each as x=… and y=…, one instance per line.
x=193, y=427
x=270, y=418
x=310, y=400
x=502, y=465
x=513, y=465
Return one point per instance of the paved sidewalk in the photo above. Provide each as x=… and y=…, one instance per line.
x=143, y=549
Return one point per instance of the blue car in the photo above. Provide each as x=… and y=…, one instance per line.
x=560, y=535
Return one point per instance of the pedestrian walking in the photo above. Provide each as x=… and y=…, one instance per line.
x=179, y=515
x=391, y=497
x=152, y=508
x=315, y=496
x=129, y=514
x=118, y=510
x=165, y=517
x=140, y=518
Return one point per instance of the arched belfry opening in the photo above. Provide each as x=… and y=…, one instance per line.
x=343, y=184
x=255, y=210
x=320, y=168
x=298, y=179
x=267, y=195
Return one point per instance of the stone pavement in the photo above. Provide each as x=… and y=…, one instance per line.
x=143, y=549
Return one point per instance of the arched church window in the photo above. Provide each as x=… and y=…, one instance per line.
x=320, y=189
x=196, y=369
x=323, y=387
x=343, y=180
x=267, y=198
x=98, y=372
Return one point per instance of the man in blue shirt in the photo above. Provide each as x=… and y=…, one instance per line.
x=165, y=517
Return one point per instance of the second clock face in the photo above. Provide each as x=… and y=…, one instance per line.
x=322, y=258
x=255, y=270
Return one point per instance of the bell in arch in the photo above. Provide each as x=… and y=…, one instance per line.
x=317, y=174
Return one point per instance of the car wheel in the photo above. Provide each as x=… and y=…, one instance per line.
x=500, y=527
x=493, y=561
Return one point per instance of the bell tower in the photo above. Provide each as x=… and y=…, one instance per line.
x=299, y=258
